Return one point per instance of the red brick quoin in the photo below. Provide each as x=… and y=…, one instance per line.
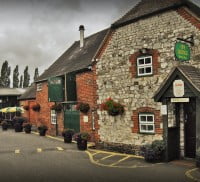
x=157, y=119
x=133, y=60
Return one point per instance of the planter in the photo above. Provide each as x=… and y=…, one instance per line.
x=197, y=163
x=113, y=112
x=4, y=127
x=68, y=139
x=81, y=144
x=42, y=132
x=18, y=127
x=27, y=130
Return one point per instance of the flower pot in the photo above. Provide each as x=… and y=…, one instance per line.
x=4, y=127
x=113, y=112
x=42, y=132
x=27, y=130
x=82, y=144
x=68, y=139
x=18, y=127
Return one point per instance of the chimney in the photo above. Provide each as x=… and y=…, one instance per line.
x=81, y=29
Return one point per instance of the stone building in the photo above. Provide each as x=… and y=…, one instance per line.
x=135, y=59
x=69, y=81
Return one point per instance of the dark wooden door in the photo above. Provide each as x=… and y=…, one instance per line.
x=190, y=128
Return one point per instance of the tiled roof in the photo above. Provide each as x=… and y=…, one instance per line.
x=148, y=7
x=190, y=73
x=75, y=58
x=12, y=91
x=29, y=94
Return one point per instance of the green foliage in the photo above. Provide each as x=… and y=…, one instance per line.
x=16, y=77
x=83, y=107
x=155, y=151
x=36, y=74
x=21, y=82
x=26, y=78
x=5, y=75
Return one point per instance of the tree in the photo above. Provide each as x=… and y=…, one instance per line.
x=16, y=77
x=21, y=82
x=26, y=78
x=36, y=75
x=5, y=75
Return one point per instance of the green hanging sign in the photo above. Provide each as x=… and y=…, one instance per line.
x=182, y=51
x=55, y=89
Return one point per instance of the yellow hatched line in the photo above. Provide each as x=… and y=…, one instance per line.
x=17, y=151
x=59, y=148
x=121, y=160
x=39, y=150
x=105, y=157
x=95, y=153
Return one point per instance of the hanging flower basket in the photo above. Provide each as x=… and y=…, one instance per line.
x=113, y=108
x=57, y=107
x=36, y=107
x=26, y=107
x=83, y=107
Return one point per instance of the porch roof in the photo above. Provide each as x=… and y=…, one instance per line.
x=29, y=94
x=189, y=74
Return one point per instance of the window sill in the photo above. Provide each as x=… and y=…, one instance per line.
x=143, y=133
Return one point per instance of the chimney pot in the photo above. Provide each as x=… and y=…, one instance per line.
x=81, y=29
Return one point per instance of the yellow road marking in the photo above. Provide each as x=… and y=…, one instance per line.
x=17, y=151
x=188, y=174
x=106, y=157
x=60, y=148
x=114, y=153
x=95, y=153
x=121, y=160
x=39, y=150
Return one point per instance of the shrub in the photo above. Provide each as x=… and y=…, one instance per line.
x=82, y=136
x=155, y=151
x=83, y=107
x=68, y=132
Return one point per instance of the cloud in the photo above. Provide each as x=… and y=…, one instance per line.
x=37, y=32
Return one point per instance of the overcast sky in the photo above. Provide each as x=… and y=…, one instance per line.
x=37, y=32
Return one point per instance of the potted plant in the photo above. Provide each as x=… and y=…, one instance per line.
x=57, y=107
x=82, y=139
x=198, y=157
x=42, y=130
x=4, y=125
x=27, y=127
x=18, y=127
x=83, y=107
x=36, y=107
x=67, y=134
x=113, y=108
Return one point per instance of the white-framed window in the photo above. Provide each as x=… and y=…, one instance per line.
x=144, y=66
x=146, y=122
x=53, y=117
x=39, y=86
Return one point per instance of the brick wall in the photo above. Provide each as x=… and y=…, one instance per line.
x=86, y=92
x=157, y=119
x=44, y=115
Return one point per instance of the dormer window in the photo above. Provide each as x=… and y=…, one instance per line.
x=144, y=66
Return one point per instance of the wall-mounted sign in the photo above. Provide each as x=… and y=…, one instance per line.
x=164, y=109
x=182, y=51
x=174, y=100
x=178, y=88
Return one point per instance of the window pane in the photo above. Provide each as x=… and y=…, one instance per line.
x=143, y=118
x=148, y=61
x=141, y=71
x=143, y=127
x=150, y=118
x=148, y=70
x=141, y=61
x=150, y=127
